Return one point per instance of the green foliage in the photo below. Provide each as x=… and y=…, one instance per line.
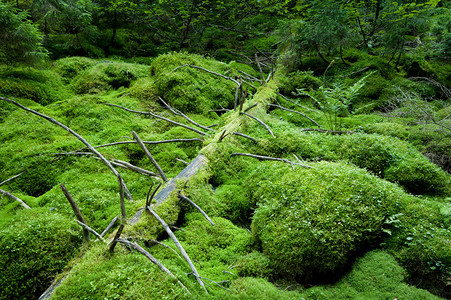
x=298, y=80
x=373, y=276
x=188, y=89
x=35, y=246
x=21, y=40
x=310, y=222
x=107, y=75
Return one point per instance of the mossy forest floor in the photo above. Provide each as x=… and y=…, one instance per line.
x=358, y=209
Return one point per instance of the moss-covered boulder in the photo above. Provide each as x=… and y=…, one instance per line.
x=311, y=222
x=35, y=246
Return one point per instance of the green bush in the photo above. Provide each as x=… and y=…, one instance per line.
x=189, y=89
x=108, y=75
x=33, y=249
x=298, y=80
x=311, y=222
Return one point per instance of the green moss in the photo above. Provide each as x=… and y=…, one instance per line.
x=33, y=249
x=107, y=75
x=374, y=276
x=310, y=222
x=70, y=67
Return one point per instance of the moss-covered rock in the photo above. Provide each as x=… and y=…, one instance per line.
x=310, y=222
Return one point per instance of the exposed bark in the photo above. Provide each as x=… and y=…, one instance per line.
x=90, y=229
x=197, y=207
x=270, y=158
x=149, y=155
x=105, y=161
x=179, y=246
x=116, y=237
x=158, y=117
x=126, y=165
x=104, y=232
x=5, y=193
x=76, y=210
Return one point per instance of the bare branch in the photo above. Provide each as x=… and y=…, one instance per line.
x=90, y=229
x=129, y=166
x=5, y=193
x=158, y=117
x=259, y=121
x=245, y=136
x=289, y=100
x=182, y=161
x=179, y=246
x=109, y=226
x=153, y=260
x=197, y=207
x=9, y=179
x=179, y=113
x=105, y=161
x=76, y=210
x=149, y=155
x=116, y=237
x=150, y=142
x=270, y=158
x=294, y=111
x=330, y=131
x=166, y=246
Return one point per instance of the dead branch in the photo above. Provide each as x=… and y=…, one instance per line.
x=116, y=237
x=270, y=158
x=260, y=68
x=79, y=137
x=243, y=98
x=5, y=193
x=182, y=161
x=149, y=155
x=76, y=210
x=223, y=135
x=179, y=113
x=150, y=142
x=217, y=283
x=149, y=196
x=121, y=196
x=259, y=121
x=153, y=260
x=9, y=179
x=166, y=246
x=296, y=112
x=289, y=100
x=179, y=246
x=250, y=107
x=158, y=117
x=245, y=136
x=220, y=110
x=129, y=166
x=197, y=207
x=330, y=131
x=250, y=77
x=109, y=226
x=90, y=229
x=214, y=73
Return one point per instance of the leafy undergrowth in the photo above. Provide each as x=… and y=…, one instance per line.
x=350, y=224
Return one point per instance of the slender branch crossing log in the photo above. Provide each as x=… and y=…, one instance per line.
x=90, y=229
x=259, y=121
x=79, y=137
x=149, y=155
x=294, y=111
x=166, y=246
x=116, y=237
x=245, y=136
x=9, y=179
x=270, y=158
x=7, y=194
x=179, y=246
x=109, y=226
x=197, y=207
x=330, y=131
x=150, y=142
x=129, y=166
x=76, y=210
x=214, y=73
x=158, y=117
x=153, y=260
x=179, y=113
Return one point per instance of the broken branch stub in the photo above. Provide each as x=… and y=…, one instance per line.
x=149, y=155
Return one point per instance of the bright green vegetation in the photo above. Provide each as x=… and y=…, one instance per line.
x=363, y=211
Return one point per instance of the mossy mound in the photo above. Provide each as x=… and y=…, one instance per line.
x=33, y=249
x=189, y=89
x=70, y=67
x=41, y=86
x=108, y=75
x=310, y=222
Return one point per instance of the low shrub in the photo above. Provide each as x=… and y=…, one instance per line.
x=33, y=249
x=70, y=67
